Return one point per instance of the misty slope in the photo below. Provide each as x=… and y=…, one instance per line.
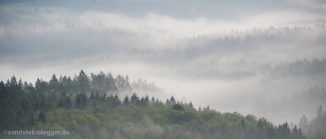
x=259, y=57
x=274, y=62
x=316, y=127
x=79, y=106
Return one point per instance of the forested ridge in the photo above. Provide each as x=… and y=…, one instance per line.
x=90, y=108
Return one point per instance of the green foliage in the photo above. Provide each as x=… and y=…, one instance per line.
x=85, y=107
x=178, y=107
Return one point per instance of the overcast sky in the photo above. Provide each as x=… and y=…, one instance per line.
x=253, y=56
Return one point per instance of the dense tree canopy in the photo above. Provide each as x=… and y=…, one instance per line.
x=89, y=107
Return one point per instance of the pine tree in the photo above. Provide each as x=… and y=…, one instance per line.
x=83, y=82
x=126, y=100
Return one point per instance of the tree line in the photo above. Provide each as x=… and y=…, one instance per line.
x=90, y=107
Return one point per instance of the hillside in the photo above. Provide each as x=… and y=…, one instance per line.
x=89, y=108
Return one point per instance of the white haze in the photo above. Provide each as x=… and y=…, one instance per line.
x=231, y=58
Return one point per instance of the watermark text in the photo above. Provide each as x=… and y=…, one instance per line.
x=35, y=132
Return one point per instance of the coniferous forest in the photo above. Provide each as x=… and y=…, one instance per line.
x=162, y=69
x=89, y=107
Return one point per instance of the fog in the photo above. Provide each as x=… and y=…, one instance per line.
x=255, y=57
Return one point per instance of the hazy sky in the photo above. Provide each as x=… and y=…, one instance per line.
x=265, y=57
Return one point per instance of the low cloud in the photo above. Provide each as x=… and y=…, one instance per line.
x=222, y=62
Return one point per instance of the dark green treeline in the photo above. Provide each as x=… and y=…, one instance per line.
x=89, y=108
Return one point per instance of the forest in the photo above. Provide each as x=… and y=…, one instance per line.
x=89, y=107
x=162, y=69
